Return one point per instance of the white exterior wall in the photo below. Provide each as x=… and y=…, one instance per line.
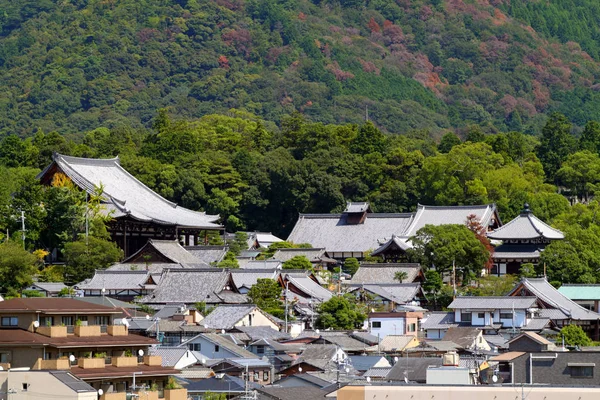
x=435, y=333
x=185, y=361
x=520, y=318
x=257, y=318
x=449, y=376
x=41, y=383
x=389, y=326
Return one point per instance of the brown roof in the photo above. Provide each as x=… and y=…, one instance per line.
x=16, y=337
x=534, y=336
x=54, y=305
x=117, y=372
x=508, y=356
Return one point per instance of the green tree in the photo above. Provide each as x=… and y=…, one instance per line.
x=580, y=173
x=556, y=144
x=85, y=255
x=575, y=336
x=590, y=137
x=527, y=270
x=491, y=285
x=17, y=267
x=351, y=265
x=400, y=276
x=339, y=312
x=444, y=245
x=368, y=140
x=266, y=294
x=448, y=141
x=297, y=262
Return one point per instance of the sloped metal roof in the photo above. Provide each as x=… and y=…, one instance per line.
x=126, y=195
x=208, y=254
x=580, y=291
x=226, y=316
x=438, y=320
x=248, y=278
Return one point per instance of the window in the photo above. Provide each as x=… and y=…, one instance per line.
x=376, y=324
x=67, y=320
x=465, y=317
x=412, y=327
x=4, y=358
x=481, y=315
x=216, y=348
x=256, y=376
x=260, y=349
x=46, y=321
x=10, y=321
x=265, y=375
x=582, y=371
x=508, y=315
x=195, y=346
x=25, y=386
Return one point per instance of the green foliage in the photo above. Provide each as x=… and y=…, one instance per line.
x=66, y=292
x=214, y=396
x=575, y=336
x=297, y=262
x=203, y=309
x=340, y=312
x=266, y=294
x=491, y=285
x=351, y=265
x=85, y=255
x=17, y=267
x=527, y=271
x=556, y=144
x=146, y=309
x=52, y=273
x=400, y=276
x=443, y=245
x=32, y=293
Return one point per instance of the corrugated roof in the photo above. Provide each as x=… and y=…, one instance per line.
x=127, y=195
x=377, y=372
x=226, y=316
x=187, y=286
x=345, y=342
x=116, y=280
x=72, y=382
x=208, y=254
x=540, y=288
x=580, y=292
x=385, y=273
x=526, y=226
x=493, y=302
x=108, y=301
x=334, y=233
x=53, y=287
x=536, y=324
x=196, y=373
x=220, y=384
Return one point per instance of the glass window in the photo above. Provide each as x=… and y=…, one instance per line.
x=465, y=317
x=102, y=320
x=217, y=348
x=46, y=321
x=9, y=321
x=195, y=346
x=67, y=320
x=265, y=375
x=376, y=324
x=260, y=349
x=582, y=372
x=4, y=358
x=481, y=315
x=508, y=315
x=256, y=376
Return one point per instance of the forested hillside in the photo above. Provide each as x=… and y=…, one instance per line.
x=74, y=65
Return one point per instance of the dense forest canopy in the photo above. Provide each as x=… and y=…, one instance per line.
x=76, y=65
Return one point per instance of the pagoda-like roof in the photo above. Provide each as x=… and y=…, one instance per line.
x=123, y=194
x=526, y=226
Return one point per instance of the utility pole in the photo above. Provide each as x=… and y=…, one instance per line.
x=287, y=285
x=87, y=218
x=23, y=227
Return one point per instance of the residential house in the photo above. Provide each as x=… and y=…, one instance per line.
x=436, y=324
x=468, y=338
x=523, y=239
x=382, y=324
x=302, y=381
x=137, y=213
x=280, y=355
x=357, y=230
x=494, y=312
x=557, y=307
x=175, y=357
x=262, y=332
x=76, y=336
x=530, y=342
x=342, y=339
x=220, y=384
x=412, y=369
x=47, y=289
x=24, y=385
x=318, y=257
x=394, y=344
x=122, y=285
x=228, y=316
x=211, y=346
x=190, y=286
x=318, y=357
x=254, y=370
x=586, y=295
x=364, y=362
x=290, y=393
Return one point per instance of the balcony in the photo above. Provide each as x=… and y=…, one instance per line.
x=89, y=363
x=124, y=361
x=52, y=331
x=117, y=330
x=54, y=365
x=153, y=361
x=87, y=331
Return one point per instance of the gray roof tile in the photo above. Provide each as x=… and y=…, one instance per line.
x=187, y=286
x=400, y=293
x=263, y=332
x=308, y=288
x=116, y=280
x=223, y=342
x=437, y=215
x=438, y=320
x=170, y=355
x=526, y=226
x=414, y=369
x=493, y=302
x=313, y=255
x=248, y=278
x=384, y=273
x=208, y=254
x=226, y=316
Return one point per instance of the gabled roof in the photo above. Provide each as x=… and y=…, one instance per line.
x=526, y=226
x=165, y=251
x=220, y=384
x=493, y=302
x=508, y=356
x=365, y=337
x=291, y=393
x=394, y=241
x=226, y=316
x=170, y=354
x=263, y=332
x=533, y=336
x=412, y=368
x=51, y=287
x=398, y=293
x=465, y=337
x=109, y=302
x=486, y=214
x=334, y=233
x=318, y=355
x=238, y=363
x=224, y=343
x=536, y=324
x=345, y=342
x=261, y=239
x=438, y=320
x=187, y=286
x=552, y=298
x=385, y=272
x=313, y=255
x=313, y=380
x=247, y=263
x=306, y=288
x=580, y=291
x=117, y=280
x=395, y=343
x=208, y=254
x=357, y=207
x=249, y=278
x=365, y=362
x=123, y=194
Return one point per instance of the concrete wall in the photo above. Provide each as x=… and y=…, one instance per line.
x=207, y=349
x=389, y=326
x=257, y=318
x=480, y=392
x=39, y=384
x=556, y=371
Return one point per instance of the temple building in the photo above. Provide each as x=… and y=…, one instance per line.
x=138, y=213
x=523, y=239
x=358, y=230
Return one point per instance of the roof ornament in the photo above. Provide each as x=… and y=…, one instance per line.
x=526, y=209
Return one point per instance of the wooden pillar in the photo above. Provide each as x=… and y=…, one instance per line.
x=597, y=333
x=125, y=240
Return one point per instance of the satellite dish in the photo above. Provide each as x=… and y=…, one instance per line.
x=103, y=290
x=317, y=331
x=494, y=378
x=347, y=370
x=36, y=324
x=140, y=352
x=396, y=359
x=299, y=369
x=100, y=392
x=368, y=379
x=71, y=358
x=405, y=380
x=147, y=316
x=125, y=322
x=223, y=331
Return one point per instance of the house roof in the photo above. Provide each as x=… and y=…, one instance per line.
x=225, y=316
x=526, y=226
x=314, y=255
x=413, y=368
x=259, y=264
x=196, y=373
x=520, y=251
x=536, y=324
x=70, y=381
x=313, y=380
x=533, y=336
x=437, y=215
x=156, y=269
x=318, y=352
x=288, y=348
x=170, y=355
x=248, y=278
x=220, y=384
x=394, y=241
x=240, y=363
x=365, y=337
x=263, y=332
x=438, y=320
x=508, y=356
x=53, y=287
x=20, y=337
x=393, y=343
x=580, y=291
x=493, y=302
x=365, y=362
x=185, y=286
x=54, y=305
x=398, y=293
x=346, y=342
x=123, y=194
x=264, y=239
x=377, y=372
x=307, y=287
x=465, y=337
x=334, y=233
x=117, y=280
x=291, y=393
x=208, y=254
x=108, y=301
x=170, y=250
x=540, y=288
x=224, y=343
x=384, y=273
x=110, y=371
